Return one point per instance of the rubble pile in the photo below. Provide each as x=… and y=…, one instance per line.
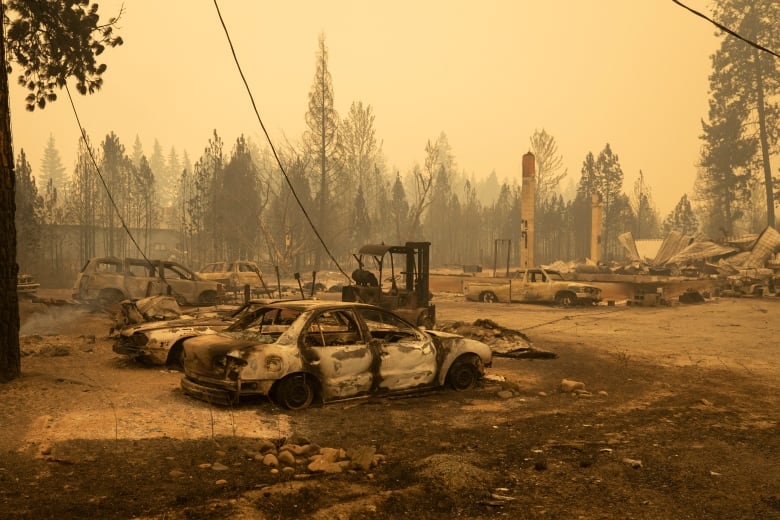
x=503, y=342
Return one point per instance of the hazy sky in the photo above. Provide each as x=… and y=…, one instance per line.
x=631, y=73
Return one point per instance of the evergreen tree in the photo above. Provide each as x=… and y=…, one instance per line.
x=138, y=151
x=360, y=229
x=682, y=219
x=645, y=213
x=723, y=179
x=81, y=205
x=399, y=210
x=745, y=83
x=29, y=216
x=238, y=205
x=321, y=138
x=51, y=165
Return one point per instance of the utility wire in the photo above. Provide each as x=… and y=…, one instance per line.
x=108, y=191
x=100, y=175
x=726, y=29
x=271, y=144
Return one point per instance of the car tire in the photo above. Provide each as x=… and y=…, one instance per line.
x=565, y=299
x=295, y=392
x=207, y=298
x=488, y=297
x=463, y=374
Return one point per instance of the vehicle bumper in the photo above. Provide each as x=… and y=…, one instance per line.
x=207, y=393
x=155, y=356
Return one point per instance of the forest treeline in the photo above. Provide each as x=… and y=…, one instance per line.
x=303, y=205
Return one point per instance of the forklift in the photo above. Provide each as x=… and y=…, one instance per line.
x=397, y=279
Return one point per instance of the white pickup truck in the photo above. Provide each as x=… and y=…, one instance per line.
x=534, y=285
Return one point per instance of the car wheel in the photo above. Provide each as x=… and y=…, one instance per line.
x=488, y=297
x=565, y=299
x=207, y=298
x=176, y=358
x=462, y=375
x=295, y=392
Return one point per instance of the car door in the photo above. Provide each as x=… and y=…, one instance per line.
x=407, y=356
x=333, y=346
x=182, y=281
x=531, y=286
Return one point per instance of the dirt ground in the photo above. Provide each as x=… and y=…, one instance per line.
x=676, y=417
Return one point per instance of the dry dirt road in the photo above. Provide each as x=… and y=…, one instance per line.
x=678, y=419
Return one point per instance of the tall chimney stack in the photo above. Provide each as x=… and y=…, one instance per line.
x=595, y=228
x=527, y=202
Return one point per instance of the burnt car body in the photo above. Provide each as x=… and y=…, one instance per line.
x=234, y=276
x=109, y=280
x=26, y=284
x=160, y=342
x=294, y=352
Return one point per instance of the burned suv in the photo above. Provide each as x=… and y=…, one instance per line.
x=110, y=280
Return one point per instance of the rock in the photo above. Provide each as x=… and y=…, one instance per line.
x=218, y=466
x=321, y=465
x=285, y=457
x=205, y=465
x=266, y=446
x=221, y=482
x=330, y=454
x=569, y=385
x=542, y=394
x=176, y=473
x=295, y=449
x=288, y=471
x=362, y=457
x=505, y=394
x=270, y=460
x=634, y=463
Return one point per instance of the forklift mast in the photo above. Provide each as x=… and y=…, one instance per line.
x=409, y=291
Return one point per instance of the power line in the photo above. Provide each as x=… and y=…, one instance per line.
x=100, y=176
x=726, y=29
x=270, y=143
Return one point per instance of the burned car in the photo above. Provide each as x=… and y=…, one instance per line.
x=235, y=275
x=537, y=285
x=26, y=284
x=160, y=342
x=109, y=280
x=296, y=352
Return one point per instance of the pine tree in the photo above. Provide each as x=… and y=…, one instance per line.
x=51, y=165
x=744, y=84
x=321, y=138
x=29, y=216
x=682, y=218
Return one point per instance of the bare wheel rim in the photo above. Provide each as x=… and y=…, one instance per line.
x=462, y=375
x=296, y=393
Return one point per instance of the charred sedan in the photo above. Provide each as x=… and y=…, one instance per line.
x=160, y=342
x=296, y=352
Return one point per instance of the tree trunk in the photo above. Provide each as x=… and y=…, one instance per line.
x=770, y=199
x=10, y=358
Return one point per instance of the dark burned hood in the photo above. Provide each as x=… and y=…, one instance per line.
x=174, y=324
x=216, y=345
